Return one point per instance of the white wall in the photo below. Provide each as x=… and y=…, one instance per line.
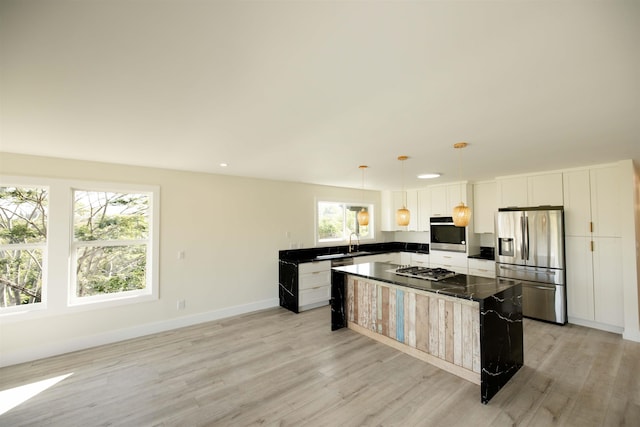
x=630, y=187
x=230, y=228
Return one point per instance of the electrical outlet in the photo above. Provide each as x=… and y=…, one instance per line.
x=181, y=304
x=180, y=254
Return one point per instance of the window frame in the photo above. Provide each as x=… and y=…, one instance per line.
x=345, y=238
x=72, y=298
x=58, y=253
x=20, y=182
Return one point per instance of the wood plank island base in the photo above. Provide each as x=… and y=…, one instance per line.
x=469, y=326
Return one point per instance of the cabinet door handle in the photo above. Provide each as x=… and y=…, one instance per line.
x=592, y=246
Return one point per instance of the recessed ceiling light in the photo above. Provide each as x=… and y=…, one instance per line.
x=428, y=175
x=224, y=165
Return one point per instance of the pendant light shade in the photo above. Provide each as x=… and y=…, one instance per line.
x=461, y=213
x=403, y=216
x=363, y=215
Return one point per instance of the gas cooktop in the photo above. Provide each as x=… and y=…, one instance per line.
x=427, y=273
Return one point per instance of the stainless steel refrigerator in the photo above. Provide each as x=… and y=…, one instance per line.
x=530, y=249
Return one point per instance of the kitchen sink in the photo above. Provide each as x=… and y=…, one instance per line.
x=342, y=255
x=331, y=256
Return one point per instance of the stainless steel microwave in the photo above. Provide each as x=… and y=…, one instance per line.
x=445, y=236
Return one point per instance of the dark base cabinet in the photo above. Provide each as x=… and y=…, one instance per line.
x=338, y=300
x=501, y=340
x=288, y=285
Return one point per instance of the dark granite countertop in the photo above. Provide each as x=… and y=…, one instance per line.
x=339, y=252
x=486, y=252
x=460, y=286
x=480, y=256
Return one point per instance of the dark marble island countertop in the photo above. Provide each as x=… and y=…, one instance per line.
x=459, y=286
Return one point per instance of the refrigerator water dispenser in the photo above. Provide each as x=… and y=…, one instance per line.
x=505, y=246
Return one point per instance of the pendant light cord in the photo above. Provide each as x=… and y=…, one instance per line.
x=404, y=193
x=363, y=168
x=459, y=146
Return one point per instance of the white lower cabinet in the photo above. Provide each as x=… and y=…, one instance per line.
x=314, y=284
x=420, y=260
x=594, y=281
x=607, y=281
x=482, y=267
x=579, y=275
x=454, y=261
x=405, y=258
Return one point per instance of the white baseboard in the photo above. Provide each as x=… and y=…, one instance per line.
x=596, y=325
x=81, y=343
x=631, y=335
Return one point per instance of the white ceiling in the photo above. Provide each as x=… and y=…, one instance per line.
x=307, y=91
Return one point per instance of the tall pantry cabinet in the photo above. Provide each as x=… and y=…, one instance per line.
x=593, y=247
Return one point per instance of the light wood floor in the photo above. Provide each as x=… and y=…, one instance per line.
x=278, y=368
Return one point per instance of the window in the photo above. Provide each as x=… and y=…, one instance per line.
x=336, y=221
x=23, y=244
x=110, y=240
x=72, y=245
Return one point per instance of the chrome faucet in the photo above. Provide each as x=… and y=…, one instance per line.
x=357, y=240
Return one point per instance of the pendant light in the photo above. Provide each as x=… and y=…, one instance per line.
x=363, y=215
x=403, y=216
x=461, y=213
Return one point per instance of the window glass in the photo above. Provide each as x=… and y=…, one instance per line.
x=110, y=269
x=337, y=221
x=330, y=221
x=100, y=215
x=23, y=239
x=111, y=233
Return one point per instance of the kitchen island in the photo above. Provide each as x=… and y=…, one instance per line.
x=467, y=325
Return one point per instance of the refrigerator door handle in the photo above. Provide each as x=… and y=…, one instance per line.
x=522, y=234
x=545, y=273
x=545, y=288
x=525, y=235
x=523, y=241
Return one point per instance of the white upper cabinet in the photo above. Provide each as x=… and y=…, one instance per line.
x=530, y=190
x=387, y=215
x=392, y=201
x=605, y=201
x=439, y=201
x=445, y=197
x=512, y=192
x=412, y=205
x=424, y=209
x=545, y=189
x=485, y=205
x=592, y=202
x=577, y=203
